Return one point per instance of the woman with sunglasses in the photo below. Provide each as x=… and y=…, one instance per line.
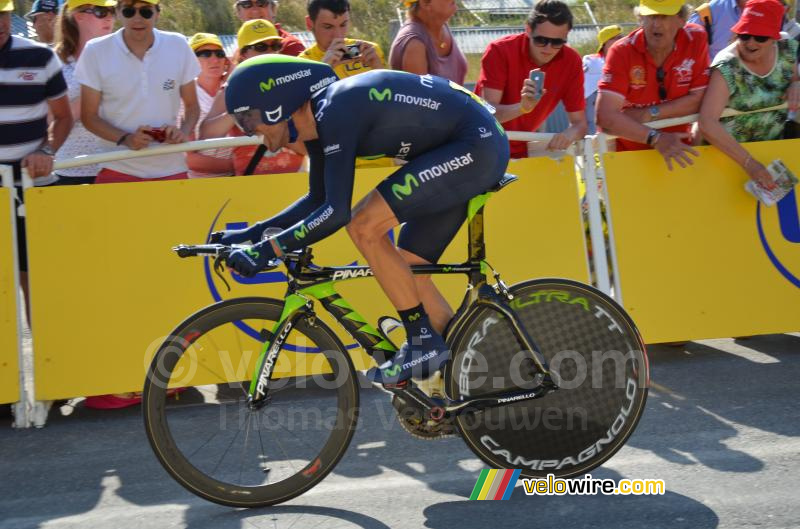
x=255, y=37
x=758, y=70
x=78, y=22
x=424, y=43
x=214, y=68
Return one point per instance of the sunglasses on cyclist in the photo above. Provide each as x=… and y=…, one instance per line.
x=144, y=12
x=247, y=4
x=744, y=37
x=248, y=120
x=205, y=54
x=98, y=11
x=544, y=41
x=263, y=47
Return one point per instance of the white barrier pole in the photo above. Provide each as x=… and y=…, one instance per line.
x=602, y=148
x=595, y=218
x=21, y=419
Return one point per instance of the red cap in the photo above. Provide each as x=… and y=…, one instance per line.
x=762, y=18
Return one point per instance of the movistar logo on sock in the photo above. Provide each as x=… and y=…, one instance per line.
x=415, y=316
x=272, y=83
x=402, y=191
x=374, y=95
x=392, y=371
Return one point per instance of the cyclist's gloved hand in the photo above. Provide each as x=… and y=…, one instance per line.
x=251, y=234
x=248, y=262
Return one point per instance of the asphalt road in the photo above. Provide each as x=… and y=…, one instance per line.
x=722, y=429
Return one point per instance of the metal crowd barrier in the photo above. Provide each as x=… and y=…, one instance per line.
x=30, y=411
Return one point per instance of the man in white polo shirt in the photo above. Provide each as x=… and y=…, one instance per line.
x=132, y=84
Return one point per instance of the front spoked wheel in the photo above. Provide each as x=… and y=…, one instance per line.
x=599, y=362
x=204, y=433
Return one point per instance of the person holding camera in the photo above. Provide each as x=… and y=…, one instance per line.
x=329, y=21
x=523, y=77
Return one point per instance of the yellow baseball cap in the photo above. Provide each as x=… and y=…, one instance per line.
x=255, y=31
x=74, y=4
x=201, y=39
x=660, y=7
x=6, y=5
x=606, y=33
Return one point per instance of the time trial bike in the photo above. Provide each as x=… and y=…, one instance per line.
x=253, y=401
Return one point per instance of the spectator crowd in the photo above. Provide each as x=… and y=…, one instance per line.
x=85, y=88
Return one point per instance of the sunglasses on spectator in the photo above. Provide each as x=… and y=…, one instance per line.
x=262, y=47
x=145, y=12
x=544, y=41
x=247, y=4
x=98, y=11
x=219, y=54
x=662, y=90
x=744, y=37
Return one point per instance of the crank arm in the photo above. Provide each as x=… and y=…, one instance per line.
x=481, y=403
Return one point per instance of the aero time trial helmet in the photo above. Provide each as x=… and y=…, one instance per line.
x=269, y=88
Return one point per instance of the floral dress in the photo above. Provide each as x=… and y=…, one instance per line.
x=749, y=91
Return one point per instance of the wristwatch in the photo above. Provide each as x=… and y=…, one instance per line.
x=47, y=150
x=654, y=112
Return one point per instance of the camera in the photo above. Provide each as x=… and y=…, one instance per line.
x=158, y=134
x=351, y=51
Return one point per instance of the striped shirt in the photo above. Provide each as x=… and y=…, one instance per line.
x=30, y=75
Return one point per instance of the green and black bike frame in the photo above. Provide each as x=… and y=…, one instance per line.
x=307, y=282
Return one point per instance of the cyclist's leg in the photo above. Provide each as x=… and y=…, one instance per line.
x=432, y=183
x=423, y=241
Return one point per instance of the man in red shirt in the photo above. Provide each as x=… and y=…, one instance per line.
x=505, y=69
x=267, y=10
x=659, y=71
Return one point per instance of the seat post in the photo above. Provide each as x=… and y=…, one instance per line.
x=477, y=245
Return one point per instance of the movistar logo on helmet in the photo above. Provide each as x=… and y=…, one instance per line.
x=374, y=95
x=274, y=116
x=272, y=83
x=266, y=87
x=402, y=191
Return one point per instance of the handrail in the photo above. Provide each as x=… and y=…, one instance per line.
x=659, y=124
x=199, y=145
x=218, y=143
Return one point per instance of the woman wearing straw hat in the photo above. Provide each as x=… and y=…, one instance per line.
x=757, y=71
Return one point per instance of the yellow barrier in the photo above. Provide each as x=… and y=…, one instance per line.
x=106, y=288
x=698, y=258
x=9, y=340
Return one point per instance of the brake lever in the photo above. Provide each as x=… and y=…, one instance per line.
x=219, y=269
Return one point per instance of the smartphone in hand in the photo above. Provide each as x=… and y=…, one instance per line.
x=537, y=76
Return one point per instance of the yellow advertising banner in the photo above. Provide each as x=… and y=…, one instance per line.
x=698, y=256
x=9, y=339
x=107, y=289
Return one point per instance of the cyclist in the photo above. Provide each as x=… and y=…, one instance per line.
x=453, y=147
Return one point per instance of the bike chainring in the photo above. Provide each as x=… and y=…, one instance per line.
x=416, y=420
